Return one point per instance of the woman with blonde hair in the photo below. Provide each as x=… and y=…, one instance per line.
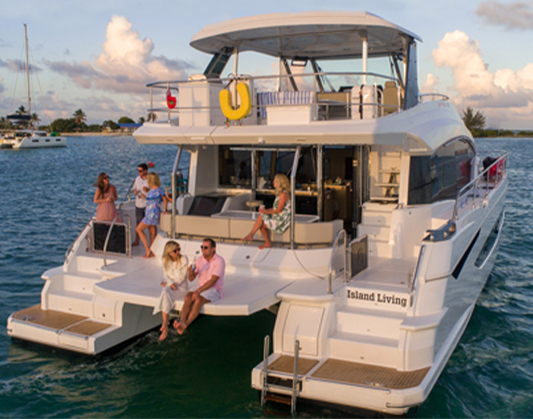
x=154, y=197
x=175, y=283
x=277, y=218
x=105, y=196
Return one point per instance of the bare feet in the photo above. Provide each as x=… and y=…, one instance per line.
x=151, y=255
x=248, y=238
x=164, y=334
x=265, y=246
x=180, y=327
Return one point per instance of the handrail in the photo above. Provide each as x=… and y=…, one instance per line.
x=67, y=253
x=335, y=243
x=173, y=186
x=128, y=234
x=295, y=391
x=417, y=269
x=163, y=84
x=266, y=350
x=500, y=161
x=293, y=191
x=119, y=207
x=434, y=95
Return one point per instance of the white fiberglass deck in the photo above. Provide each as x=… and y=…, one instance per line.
x=137, y=281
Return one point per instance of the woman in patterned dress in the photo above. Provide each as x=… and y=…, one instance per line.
x=105, y=196
x=277, y=218
x=154, y=197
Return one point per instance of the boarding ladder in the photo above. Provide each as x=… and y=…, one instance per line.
x=295, y=389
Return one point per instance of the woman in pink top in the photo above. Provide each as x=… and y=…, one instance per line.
x=105, y=196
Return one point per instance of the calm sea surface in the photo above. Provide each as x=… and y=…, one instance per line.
x=45, y=200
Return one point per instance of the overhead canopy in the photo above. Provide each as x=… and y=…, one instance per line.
x=320, y=35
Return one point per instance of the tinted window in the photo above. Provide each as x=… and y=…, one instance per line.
x=442, y=175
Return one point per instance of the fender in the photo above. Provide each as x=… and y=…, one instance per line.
x=246, y=103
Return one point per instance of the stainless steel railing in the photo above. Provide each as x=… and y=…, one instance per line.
x=128, y=235
x=69, y=250
x=332, y=258
x=267, y=83
x=500, y=164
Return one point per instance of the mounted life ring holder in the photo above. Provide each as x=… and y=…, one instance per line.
x=246, y=102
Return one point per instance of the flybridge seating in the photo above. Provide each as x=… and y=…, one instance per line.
x=198, y=101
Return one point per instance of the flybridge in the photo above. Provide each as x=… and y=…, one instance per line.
x=291, y=97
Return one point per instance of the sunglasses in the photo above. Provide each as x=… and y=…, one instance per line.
x=204, y=247
x=106, y=177
x=176, y=251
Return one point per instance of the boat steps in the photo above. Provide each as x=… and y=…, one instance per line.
x=337, y=371
x=56, y=328
x=87, y=263
x=369, y=322
x=375, y=233
x=366, y=349
x=79, y=303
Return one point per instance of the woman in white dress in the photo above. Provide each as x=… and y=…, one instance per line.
x=175, y=283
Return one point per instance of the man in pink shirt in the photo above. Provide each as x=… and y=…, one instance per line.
x=210, y=269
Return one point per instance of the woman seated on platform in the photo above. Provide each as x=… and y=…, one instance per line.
x=154, y=197
x=277, y=218
x=105, y=196
x=175, y=283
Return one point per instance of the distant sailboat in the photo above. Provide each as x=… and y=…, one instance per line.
x=29, y=138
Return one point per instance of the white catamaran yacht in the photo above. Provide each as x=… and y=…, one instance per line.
x=393, y=234
x=29, y=138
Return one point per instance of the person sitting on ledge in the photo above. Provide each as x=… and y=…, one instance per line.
x=277, y=218
x=175, y=283
x=210, y=269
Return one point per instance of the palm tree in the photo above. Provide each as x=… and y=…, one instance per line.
x=35, y=119
x=152, y=117
x=79, y=117
x=473, y=121
x=142, y=120
x=5, y=123
x=21, y=110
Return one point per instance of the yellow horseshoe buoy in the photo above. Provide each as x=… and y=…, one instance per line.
x=246, y=103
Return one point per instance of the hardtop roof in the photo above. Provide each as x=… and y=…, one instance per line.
x=319, y=35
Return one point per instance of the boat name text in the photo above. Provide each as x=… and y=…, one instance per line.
x=378, y=298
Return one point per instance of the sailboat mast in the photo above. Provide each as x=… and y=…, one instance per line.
x=27, y=68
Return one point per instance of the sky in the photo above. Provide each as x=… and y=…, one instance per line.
x=98, y=56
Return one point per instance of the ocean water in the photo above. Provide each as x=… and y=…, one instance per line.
x=46, y=199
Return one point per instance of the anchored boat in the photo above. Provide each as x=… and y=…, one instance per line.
x=394, y=230
x=29, y=138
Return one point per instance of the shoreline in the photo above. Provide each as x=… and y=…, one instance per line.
x=96, y=134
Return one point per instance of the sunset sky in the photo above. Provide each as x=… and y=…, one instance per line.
x=99, y=55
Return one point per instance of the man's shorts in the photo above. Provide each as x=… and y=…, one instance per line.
x=139, y=214
x=210, y=294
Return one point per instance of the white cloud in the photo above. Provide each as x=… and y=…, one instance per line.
x=125, y=64
x=517, y=15
x=431, y=84
x=503, y=94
